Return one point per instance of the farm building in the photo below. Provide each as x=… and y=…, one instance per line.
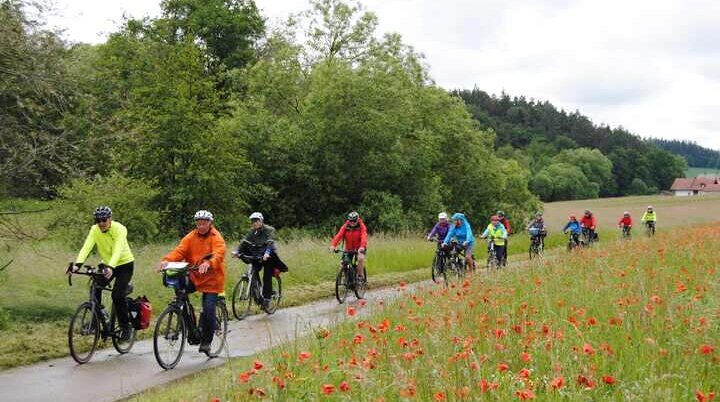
x=695, y=186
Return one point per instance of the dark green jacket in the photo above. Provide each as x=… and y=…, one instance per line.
x=257, y=242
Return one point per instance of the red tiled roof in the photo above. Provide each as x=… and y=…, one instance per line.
x=707, y=184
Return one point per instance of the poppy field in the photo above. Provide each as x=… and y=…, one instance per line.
x=630, y=321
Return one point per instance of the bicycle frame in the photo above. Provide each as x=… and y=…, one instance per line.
x=95, y=278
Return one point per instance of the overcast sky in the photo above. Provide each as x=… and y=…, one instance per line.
x=651, y=66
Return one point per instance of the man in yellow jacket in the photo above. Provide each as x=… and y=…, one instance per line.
x=649, y=218
x=110, y=240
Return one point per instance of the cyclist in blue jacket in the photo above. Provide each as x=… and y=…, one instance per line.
x=462, y=232
x=574, y=226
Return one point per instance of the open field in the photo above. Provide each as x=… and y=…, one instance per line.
x=671, y=211
x=34, y=291
x=630, y=321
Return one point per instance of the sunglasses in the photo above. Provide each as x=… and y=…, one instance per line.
x=100, y=220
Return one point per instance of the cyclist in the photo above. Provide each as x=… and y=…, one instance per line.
x=589, y=222
x=441, y=228
x=625, y=223
x=353, y=234
x=496, y=230
x=462, y=232
x=649, y=218
x=110, y=240
x=537, y=228
x=574, y=227
x=209, y=278
x=262, y=237
x=506, y=223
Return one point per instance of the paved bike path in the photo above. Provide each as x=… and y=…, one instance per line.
x=110, y=376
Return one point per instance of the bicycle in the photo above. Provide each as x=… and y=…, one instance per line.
x=573, y=241
x=248, y=290
x=649, y=228
x=537, y=247
x=586, y=239
x=626, y=235
x=91, y=321
x=438, y=264
x=177, y=323
x=457, y=264
x=493, y=259
x=348, y=277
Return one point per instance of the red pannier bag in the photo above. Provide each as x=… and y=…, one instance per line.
x=140, y=312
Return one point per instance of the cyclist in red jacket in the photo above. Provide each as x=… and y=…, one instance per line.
x=589, y=222
x=625, y=223
x=354, y=236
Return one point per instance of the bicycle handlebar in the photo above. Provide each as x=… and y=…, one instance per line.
x=89, y=271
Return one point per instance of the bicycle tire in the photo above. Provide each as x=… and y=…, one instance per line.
x=492, y=261
x=241, y=299
x=360, y=284
x=82, y=328
x=170, y=327
x=438, y=270
x=274, y=303
x=219, y=340
x=116, y=333
x=341, y=286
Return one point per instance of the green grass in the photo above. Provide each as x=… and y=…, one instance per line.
x=626, y=321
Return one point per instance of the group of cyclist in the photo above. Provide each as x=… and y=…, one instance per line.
x=204, y=247
x=459, y=233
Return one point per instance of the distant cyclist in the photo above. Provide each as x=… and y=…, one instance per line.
x=462, y=232
x=536, y=228
x=209, y=278
x=589, y=222
x=353, y=234
x=625, y=223
x=496, y=231
x=506, y=223
x=574, y=227
x=649, y=218
x=110, y=240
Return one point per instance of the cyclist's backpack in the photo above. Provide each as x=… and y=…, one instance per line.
x=140, y=312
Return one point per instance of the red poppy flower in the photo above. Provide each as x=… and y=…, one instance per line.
x=216, y=399
x=362, y=302
x=358, y=339
x=328, y=389
x=344, y=386
x=279, y=381
x=608, y=379
x=525, y=394
x=304, y=356
x=244, y=377
x=558, y=382
x=503, y=367
x=588, y=349
x=706, y=349
x=701, y=397
x=350, y=311
x=439, y=396
x=258, y=365
x=525, y=356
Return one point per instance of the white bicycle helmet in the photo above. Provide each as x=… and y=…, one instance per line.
x=442, y=215
x=257, y=215
x=204, y=215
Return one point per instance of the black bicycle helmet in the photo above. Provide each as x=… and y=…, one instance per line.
x=102, y=212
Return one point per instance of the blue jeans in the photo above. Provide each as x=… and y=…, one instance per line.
x=207, y=322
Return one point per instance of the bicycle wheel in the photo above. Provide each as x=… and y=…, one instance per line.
x=169, y=337
x=241, y=300
x=341, y=285
x=438, y=270
x=360, y=284
x=221, y=328
x=116, y=334
x=83, y=333
x=272, y=306
x=492, y=261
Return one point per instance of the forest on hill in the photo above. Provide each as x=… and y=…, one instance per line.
x=570, y=157
x=695, y=154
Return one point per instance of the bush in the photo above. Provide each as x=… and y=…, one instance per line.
x=383, y=212
x=130, y=200
x=4, y=318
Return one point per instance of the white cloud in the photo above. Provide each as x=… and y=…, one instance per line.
x=650, y=66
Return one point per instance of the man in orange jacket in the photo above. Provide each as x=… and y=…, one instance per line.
x=209, y=278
